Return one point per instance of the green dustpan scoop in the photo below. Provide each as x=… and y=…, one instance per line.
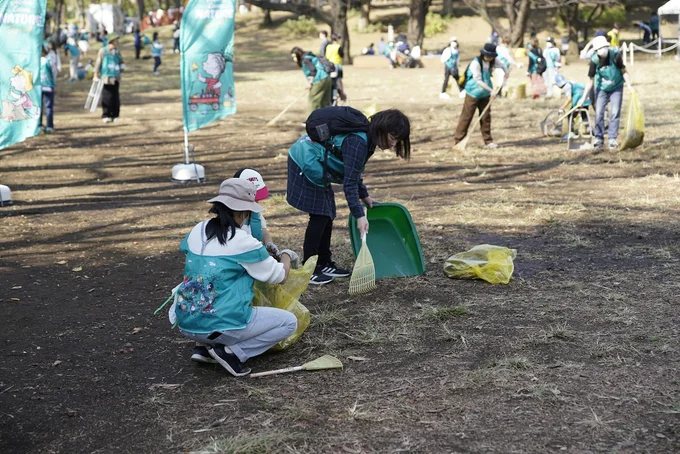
x=393, y=241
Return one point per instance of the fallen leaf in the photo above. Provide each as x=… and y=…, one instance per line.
x=61, y=262
x=357, y=358
x=56, y=363
x=16, y=287
x=77, y=268
x=136, y=330
x=14, y=299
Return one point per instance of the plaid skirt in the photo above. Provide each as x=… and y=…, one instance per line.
x=306, y=196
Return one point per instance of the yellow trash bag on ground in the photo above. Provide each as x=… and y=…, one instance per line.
x=494, y=264
x=285, y=296
x=635, y=124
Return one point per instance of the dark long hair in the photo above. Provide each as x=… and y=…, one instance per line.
x=394, y=122
x=298, y=54
x=222, y=224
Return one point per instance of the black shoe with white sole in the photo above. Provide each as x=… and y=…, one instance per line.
x=229, y=361
x=333, y=270
x=201, y=355
x=319, y=278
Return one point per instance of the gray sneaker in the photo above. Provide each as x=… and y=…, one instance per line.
x=598, y=145
x=613, y=144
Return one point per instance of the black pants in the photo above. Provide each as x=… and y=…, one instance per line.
x=449, y=72
x=156, y=63
x=111, y=101
x=318, y=239
x=138, y=49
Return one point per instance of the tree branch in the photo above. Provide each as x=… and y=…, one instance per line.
x=303, y=9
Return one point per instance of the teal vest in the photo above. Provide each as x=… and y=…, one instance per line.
x=46, y=76
x=156, y=51
x=110, y=64
x=608, y=78
x=309, y=156
x=577, y=91
x=552, y=57
x=321, y=73
x=475, y=90
x=256, y=226
x=216, y=292
x=452, y=62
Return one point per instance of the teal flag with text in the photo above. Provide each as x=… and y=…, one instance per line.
x=21, y=35
x=207, y=69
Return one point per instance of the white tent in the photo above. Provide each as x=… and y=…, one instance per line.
x=671, y=8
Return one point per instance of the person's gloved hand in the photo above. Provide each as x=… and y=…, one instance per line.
x=273, y=250
x=294, y=258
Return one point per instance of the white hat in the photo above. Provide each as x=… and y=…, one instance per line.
x=600, y=42
x=453, y=38
x=254, y=177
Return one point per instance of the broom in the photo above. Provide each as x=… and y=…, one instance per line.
x=324, y=362
x=463, y=143
x=273, y=121
x=363, y=274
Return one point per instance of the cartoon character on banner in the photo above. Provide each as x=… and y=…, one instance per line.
x=214, y=65
x=19, y=106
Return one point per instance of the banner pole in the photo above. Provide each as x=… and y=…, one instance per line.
x=186, y=146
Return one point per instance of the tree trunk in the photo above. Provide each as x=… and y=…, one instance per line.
x=364, y=18
x=447, y=8
x=416, y=21
x=267, y=18
x=569, y=16
x=142, y=10
x=519, y=25
x=339, y=26
x=517, y=12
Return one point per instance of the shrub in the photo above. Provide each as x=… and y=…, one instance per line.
x=435, y=24
x=609, y=16
x=303, y=26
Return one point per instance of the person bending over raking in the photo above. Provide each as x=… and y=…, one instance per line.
x=479, y=92
x=609, y=74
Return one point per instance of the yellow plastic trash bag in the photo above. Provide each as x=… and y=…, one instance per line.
x=635, y=124
x=494, y=264
x=285, y=296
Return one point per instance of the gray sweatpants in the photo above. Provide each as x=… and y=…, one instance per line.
x=266, y=328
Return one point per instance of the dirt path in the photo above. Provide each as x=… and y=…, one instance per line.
x=579, y=353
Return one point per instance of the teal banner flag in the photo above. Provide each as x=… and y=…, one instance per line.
x=207, y=63
x=21, y=35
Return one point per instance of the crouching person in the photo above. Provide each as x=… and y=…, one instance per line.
x=212, y=304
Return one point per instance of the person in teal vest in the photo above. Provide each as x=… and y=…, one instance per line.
x=47, y=80
x=609, y=75
x=318, y=79
x=108, y=68
x=74, y=51
x=450, y=57
x=573, y=91
x=553, y=62
x=213, y=303
x=156, y=52
x=257, y=224
x=479, y=92
x=309, y=181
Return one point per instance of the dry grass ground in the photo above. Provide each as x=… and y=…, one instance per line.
x=579, y=353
